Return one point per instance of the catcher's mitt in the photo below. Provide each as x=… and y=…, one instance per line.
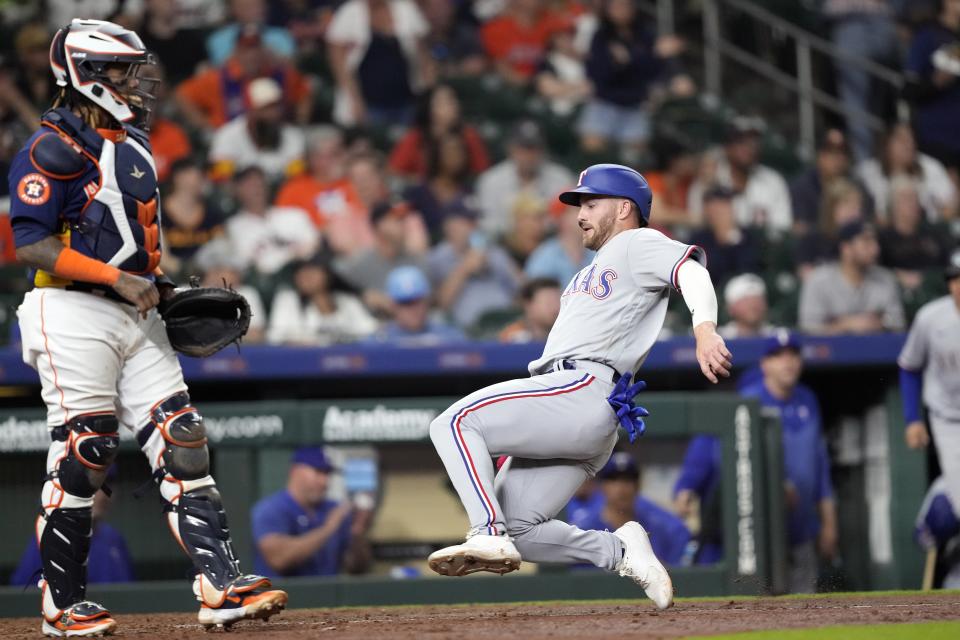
x=201, y=321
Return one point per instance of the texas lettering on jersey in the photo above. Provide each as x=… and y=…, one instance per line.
x=593, y=280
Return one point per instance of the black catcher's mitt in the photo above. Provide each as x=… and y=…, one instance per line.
x=201, y=321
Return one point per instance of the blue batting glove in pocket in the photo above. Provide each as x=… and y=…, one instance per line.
x=629, y=415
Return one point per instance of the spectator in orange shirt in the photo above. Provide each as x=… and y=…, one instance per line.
x=327, y=195
x=677, y=168
x=438, y=115
x=211, y=98
x=517, y=39
x=541, y=306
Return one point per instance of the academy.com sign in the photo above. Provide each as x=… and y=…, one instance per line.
x=19, y=434
x=378, y=423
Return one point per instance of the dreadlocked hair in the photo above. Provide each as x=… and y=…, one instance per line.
x=94, y=116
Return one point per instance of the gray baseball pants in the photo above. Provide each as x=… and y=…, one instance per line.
x=559, y=430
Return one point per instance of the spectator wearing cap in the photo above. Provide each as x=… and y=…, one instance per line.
x=264, y=237
x=109, y=559
x=300, y=531
x=325, y=192
x=190, y=219
x=516, y=39
x=214, y=96
x=761, y=196
x=220, y=267
x=447, y=185
x=179, y=47
x=933, y=67
x=222, y=42
x=624, y=62
x=320, y=309
x=411, y=322
x=899, y=155
x=745, y=297
x=395, y=243
x=438, y=117
x=562, y=256
x=472, y=275
x=260, y=137
x=909, y=244
x=378, y=56
x=853, y=294
x=453, y=41
x=732, y=249
x=807, y=190
x=540, y=299
x=808, y=491
x=527, y=172
x=619, y=481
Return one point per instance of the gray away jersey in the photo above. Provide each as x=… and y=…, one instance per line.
x=933, y=345
x=612, y=311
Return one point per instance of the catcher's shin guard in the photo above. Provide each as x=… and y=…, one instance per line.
x=175, y=443
x=77, y=462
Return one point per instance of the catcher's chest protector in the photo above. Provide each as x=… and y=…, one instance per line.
x=113, y=214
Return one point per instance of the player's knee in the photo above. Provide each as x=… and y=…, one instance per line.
x=88, y=445
x=185, y=454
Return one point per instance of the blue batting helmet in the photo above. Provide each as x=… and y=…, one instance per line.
x=612, y=180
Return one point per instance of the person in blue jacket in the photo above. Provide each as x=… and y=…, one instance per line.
x=109, y=559
x=620, y=484
x=299, y=531
x=808, y=491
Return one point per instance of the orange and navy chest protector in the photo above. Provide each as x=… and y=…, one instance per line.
x=96, y=190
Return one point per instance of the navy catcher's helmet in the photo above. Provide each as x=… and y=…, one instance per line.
x=612, y=180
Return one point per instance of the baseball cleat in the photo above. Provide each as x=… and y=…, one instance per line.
x=641, y=565
x=480, y=552
x=248, y=597
x=83, y=619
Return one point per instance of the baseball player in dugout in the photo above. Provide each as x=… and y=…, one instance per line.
x=85, y=216
x=560, y=425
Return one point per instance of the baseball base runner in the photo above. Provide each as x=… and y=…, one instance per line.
x=560, y=425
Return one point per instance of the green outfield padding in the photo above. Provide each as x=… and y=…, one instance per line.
x=910, y=631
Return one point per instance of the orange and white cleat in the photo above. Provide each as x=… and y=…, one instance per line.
x=83, y=619
x=248, y=597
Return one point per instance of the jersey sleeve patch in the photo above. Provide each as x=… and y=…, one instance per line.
x=33, y=189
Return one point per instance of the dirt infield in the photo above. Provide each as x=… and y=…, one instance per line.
x=528, y=621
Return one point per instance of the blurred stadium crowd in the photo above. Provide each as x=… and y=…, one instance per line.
x=387, y=169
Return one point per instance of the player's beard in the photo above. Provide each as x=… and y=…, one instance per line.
x=601, y=232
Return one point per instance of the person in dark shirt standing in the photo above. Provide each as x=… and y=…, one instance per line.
x=625, y=59
x=933, y=63
x=298, y=531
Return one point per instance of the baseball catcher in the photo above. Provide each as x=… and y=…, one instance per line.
x=85, y=215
